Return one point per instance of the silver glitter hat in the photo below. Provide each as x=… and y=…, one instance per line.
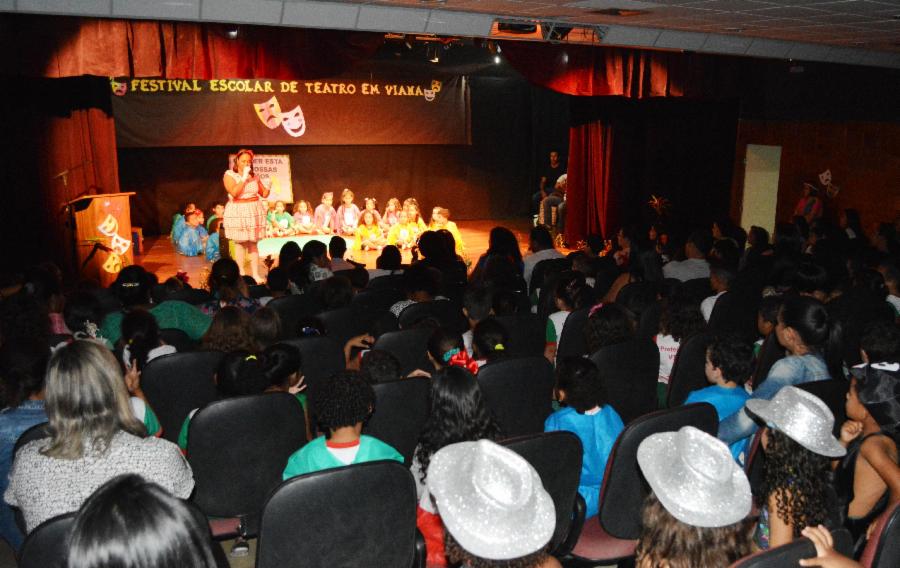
x=802, y=417
x=695, y=478
x=491, y=500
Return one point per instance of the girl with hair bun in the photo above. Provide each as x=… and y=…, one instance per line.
x=813, y=343
x=570, y=294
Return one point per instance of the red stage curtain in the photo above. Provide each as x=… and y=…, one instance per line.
x=588, y=196
x=68, y=47
x=595, y=71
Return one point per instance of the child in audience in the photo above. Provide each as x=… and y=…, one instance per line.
x=813, y=342
x=83, y=315
x=347, y=214
x=799, y=446
x=446, y=348
x=891, y=275
x=229, y=331
x=279, y=223
x=379, y=366
x=489, y=341
x=571, y=291
x=721, y=276
x=341, y=405
x=729, y=362
x=371, y=204
x=303, y=218
x=325, y=218
x=766, y=320
x=608, y=324
x=192, y=237
x=391, y=215
x=368, y=234
x=458, y=414
x=265, y=327
x=477, y=306
x=696, y=512
x=680, y=318
x=495, y=508
x=868, y=478
x=212, y=243
x=587, y=415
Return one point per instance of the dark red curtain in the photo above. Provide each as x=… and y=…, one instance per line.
x=589, y=191
x=68, y=47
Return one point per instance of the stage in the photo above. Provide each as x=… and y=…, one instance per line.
x=160, y=257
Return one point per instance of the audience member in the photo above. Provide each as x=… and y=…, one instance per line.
x=228, y=289
x=571, y=293
x=379, y=366
x=477, y=306
x=608, y=324
x=489, y=341
x=337, y=248
x=695, y=264
x=540, y=245
x=265, y=328
x=230, y=331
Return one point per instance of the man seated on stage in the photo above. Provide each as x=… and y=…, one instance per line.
x=556, y=199
x=695, y=265
x=549, y=174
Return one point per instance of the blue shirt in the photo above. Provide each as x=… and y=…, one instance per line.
x=598, y=433
x=791, y=370
x=13, y=422
x=726, y=401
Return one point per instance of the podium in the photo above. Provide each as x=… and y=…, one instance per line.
x=103, y=244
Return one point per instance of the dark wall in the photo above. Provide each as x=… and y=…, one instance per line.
x=514, y=125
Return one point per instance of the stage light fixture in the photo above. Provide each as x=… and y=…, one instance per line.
x=233, y=33
x=565, y=57
x=432, y=53
x=497, y=59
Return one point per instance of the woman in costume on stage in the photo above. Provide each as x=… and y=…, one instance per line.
x=245, y=213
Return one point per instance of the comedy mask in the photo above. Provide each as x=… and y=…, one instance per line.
x=293, y=122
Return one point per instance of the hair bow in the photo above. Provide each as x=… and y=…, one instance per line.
x=461, y=359
x=595, y=309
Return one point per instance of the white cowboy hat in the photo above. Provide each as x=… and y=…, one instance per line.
x=802, y=417
x=695, y=478
x=491, y=500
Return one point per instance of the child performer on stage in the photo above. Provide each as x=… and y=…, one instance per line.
x=411, y=205
x=218, y=213
x=325, y=218
x=371, y=204
x=178, y=222
x=193, y=236
x=348, y=214
x=391, y=214
x=368, y=234
x=279, y=223
x=303, y=218
x=404, y=234
x=212, y=243
x=440, y=219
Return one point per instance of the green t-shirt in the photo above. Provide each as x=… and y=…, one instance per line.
x=315, y=456
x=169, y=314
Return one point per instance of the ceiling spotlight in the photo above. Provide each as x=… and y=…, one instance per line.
x=498, y=48
x=565, y=57
x=497, y=59
x=233, y=33
x=432, y=53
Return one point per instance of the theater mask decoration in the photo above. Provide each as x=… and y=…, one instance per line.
x=118, y=89
x=831, y=190
x=269, y=113
x=293, y=122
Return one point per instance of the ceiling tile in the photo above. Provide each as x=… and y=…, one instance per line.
x=769, y=48
x=631, y=35
x=670, y=39
x=383, y=18
x=446, y=22
x=787, y=12
x=718, y=43
x=246, y=11
x=335, y=15
x=172, y=10
x=82, y=7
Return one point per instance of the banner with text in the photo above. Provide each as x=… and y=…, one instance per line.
x=275, y=172
x=250, y=112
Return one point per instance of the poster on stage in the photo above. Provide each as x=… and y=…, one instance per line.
x=275, y=172
x=260, y=112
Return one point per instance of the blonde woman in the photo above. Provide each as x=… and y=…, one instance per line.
x=94, y=437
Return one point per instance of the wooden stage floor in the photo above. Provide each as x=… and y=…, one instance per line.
x=160, y=256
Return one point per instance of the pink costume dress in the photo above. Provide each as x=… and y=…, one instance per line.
x=245, y=215
x=348, y=219
x=326, y=216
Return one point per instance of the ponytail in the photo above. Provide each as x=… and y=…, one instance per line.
x=819, y=332
x=834, y=349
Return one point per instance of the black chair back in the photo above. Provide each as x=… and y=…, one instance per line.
x=401, y=410
x=696, y=290
x=409, y=346
x=178, y=339
x=238, y=448
x=359, y=515
x=342, y=324
x=556, y=456
x=573, y=342
x=177, y=384
x=689, y=370
x=623, y=492
x=648, y=326
x=636, y=294
x=373, y=302
x=833, y=393
x=630, y=371
x=390, y=282
x=770, y=352
x=545, y=268
x=735, y=312
x=46, y=546
x=291, y=309
x=883, y=548
x=447, y=312
x=527, y=335
x=36, y=432
x=518, y=393
x=322, y=357
x=789, y=555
